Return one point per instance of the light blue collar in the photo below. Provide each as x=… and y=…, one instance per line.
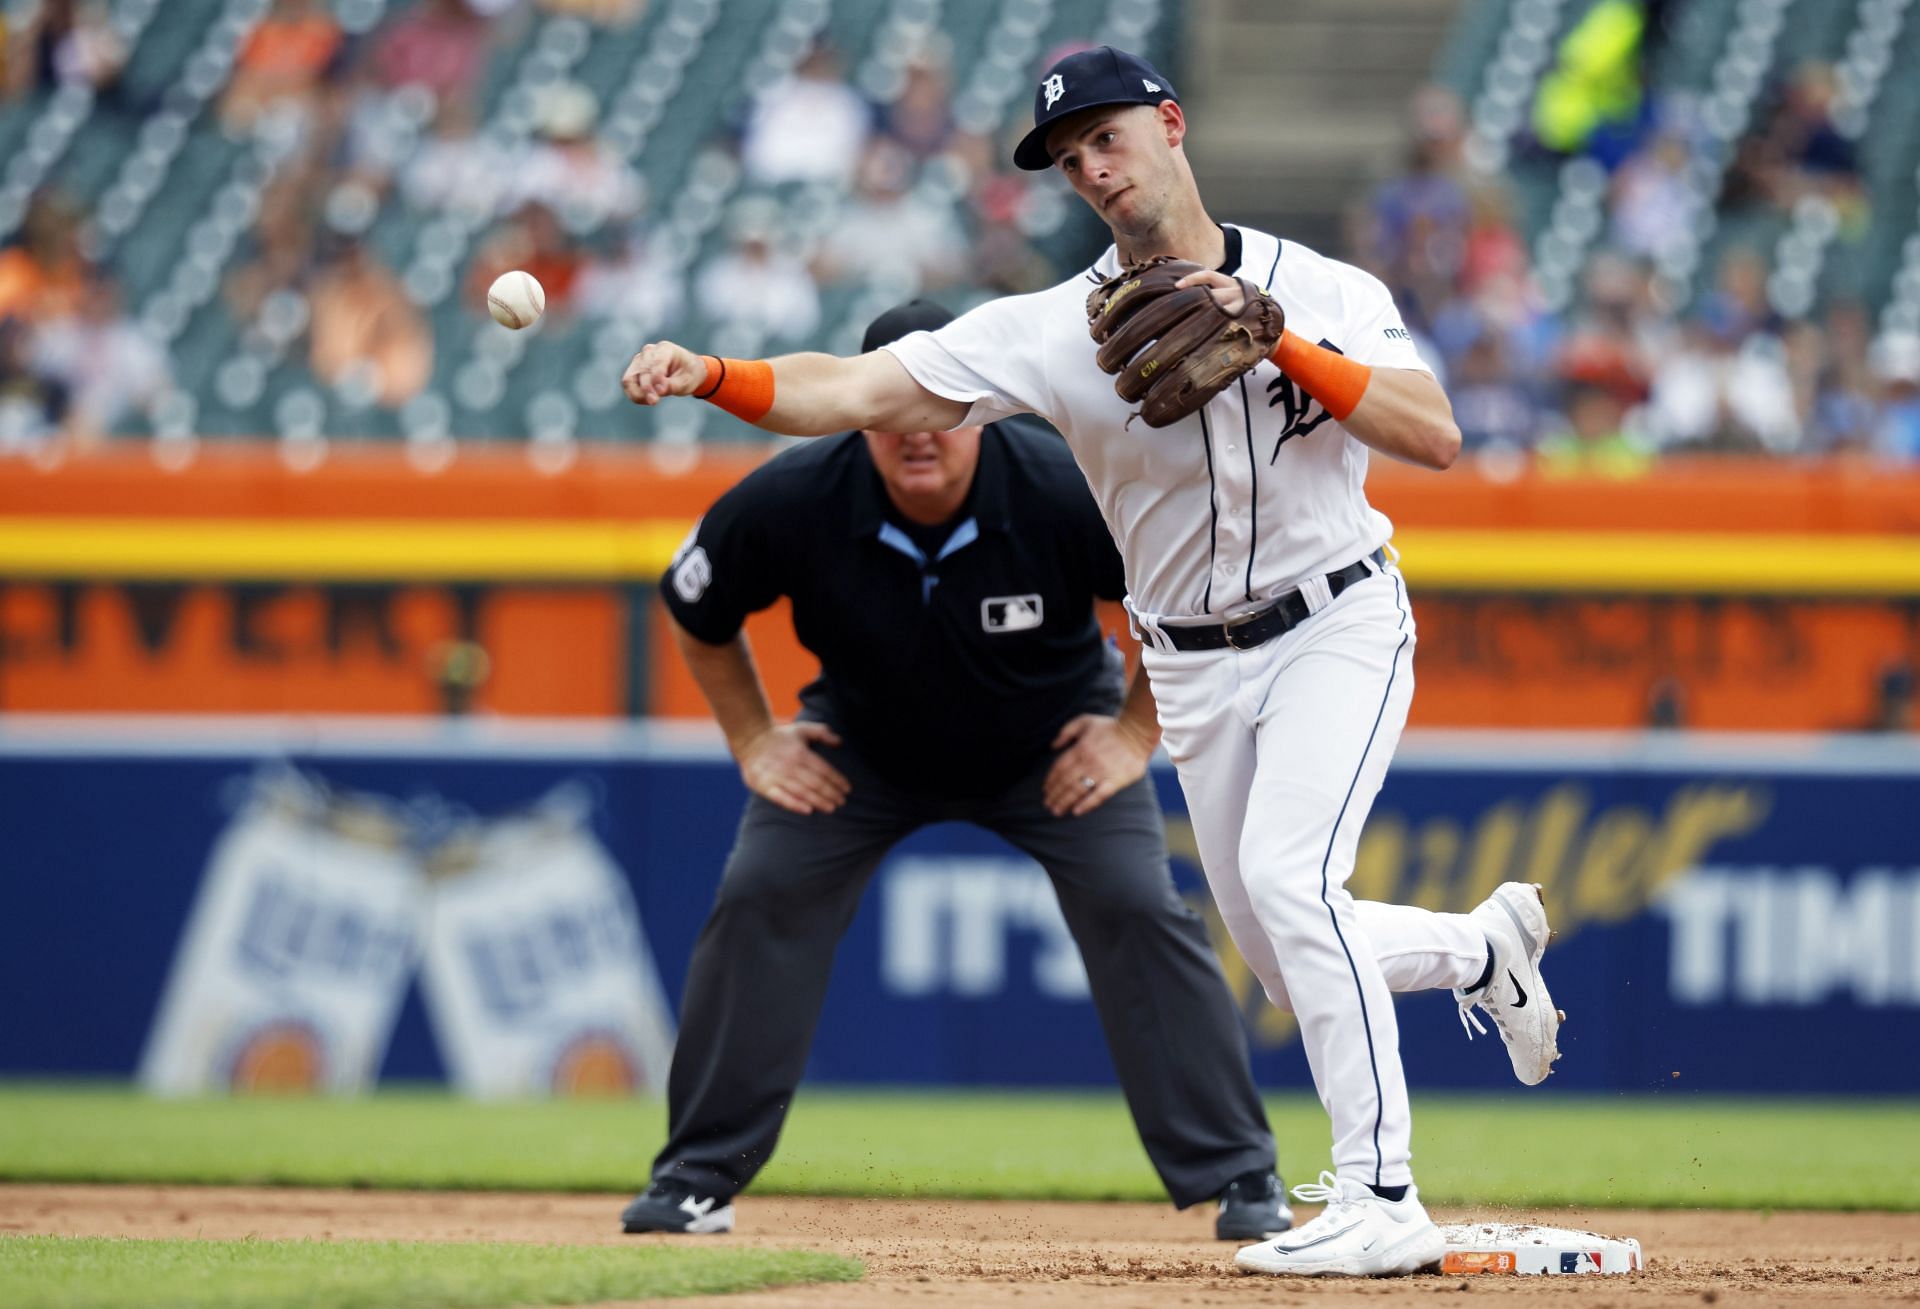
x=964, y=535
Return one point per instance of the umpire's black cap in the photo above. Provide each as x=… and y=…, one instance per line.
x=1100, y=76
x=913, y=316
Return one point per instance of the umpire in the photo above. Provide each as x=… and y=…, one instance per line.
x=945, y=581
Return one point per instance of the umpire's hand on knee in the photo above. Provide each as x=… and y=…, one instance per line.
x=1100, y=757
x=782, y=767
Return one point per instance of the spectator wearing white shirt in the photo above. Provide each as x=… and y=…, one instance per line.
x=1652, y=198
x=586, y=182
x=31, y=405
x=632, y=285
x=459, y=168
x=1722, y=389
x=1895, y=360
x=106, y=363
x=753, y=284
x=887, y=231
x=809, y=127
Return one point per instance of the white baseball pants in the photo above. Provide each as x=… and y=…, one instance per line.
x=1280, y=751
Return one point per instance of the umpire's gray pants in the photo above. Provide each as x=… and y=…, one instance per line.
x=792, y=883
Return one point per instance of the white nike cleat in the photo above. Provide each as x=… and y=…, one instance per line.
x=1358, y=1234
x=1514, y=919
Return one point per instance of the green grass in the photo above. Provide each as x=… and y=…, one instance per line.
x=1538, y=1149
x=57, y=1272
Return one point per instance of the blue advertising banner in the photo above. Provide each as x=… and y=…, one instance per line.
x=1734, y=915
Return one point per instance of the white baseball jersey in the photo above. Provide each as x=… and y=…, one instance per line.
x=1225, y=509
x=1281, y=747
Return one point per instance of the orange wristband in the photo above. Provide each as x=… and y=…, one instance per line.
x=742, y=387
x=1327, y=375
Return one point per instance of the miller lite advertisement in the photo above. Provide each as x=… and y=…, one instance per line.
x=517, y=918
x=537, y=975
x=319, y=908
x=297, y=953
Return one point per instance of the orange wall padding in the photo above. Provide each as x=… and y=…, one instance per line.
x=1780, y=662
x=213, y=649
x=252, y=480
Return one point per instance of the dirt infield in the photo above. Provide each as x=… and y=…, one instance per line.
x=964, y=1253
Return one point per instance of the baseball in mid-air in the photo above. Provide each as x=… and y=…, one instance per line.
x=516, y=299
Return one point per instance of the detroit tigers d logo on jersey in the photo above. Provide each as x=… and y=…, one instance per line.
x=1300, y=412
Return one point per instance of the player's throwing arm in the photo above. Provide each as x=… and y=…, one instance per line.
x=795, y=395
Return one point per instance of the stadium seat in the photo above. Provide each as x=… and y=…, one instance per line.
x=174, y=196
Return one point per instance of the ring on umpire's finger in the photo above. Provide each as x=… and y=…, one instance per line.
x=1088, y=783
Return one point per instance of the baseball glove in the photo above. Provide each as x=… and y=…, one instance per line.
x=1170, y=349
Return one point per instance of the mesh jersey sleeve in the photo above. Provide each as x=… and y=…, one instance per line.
x=990, y=357
x=726, y=568
x=1375, y=332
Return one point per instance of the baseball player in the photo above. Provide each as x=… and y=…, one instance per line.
x=946, y=582
x=1276, y=628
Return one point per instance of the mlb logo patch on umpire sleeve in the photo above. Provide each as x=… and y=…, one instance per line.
x=1011, y=613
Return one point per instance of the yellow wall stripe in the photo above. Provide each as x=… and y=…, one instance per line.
x=136, y=549
x=340, y=550
x=1661, y=562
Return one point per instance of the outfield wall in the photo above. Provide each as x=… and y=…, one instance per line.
x=1713, y=593
x=517, y=905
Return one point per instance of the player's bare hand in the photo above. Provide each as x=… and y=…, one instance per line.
x=1227, y=291
x=782, y=767
x=1100, y=757
x=662, y=369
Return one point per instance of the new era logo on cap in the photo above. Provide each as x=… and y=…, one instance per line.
x=1101, y=76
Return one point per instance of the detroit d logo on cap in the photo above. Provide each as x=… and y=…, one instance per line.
x=1011, y=613
x=1054, y=87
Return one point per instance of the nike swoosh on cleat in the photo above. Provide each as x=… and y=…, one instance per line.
x=1521, y=1003
x=1318, y=1240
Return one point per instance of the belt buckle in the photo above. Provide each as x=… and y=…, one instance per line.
x=1232, y=625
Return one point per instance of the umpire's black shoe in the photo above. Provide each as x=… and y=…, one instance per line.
x=673, y=1206
x=1253, y=1208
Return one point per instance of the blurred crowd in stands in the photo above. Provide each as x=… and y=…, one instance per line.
x=569, y=208
x=1625, y=372
x=1620, y=376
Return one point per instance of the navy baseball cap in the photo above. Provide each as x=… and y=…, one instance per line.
x=1100, y=76
x=899, y=321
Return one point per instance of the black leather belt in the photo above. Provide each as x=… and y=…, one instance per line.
x=1246, y=631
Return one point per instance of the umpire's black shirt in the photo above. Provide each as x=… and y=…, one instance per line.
x=948, y=665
